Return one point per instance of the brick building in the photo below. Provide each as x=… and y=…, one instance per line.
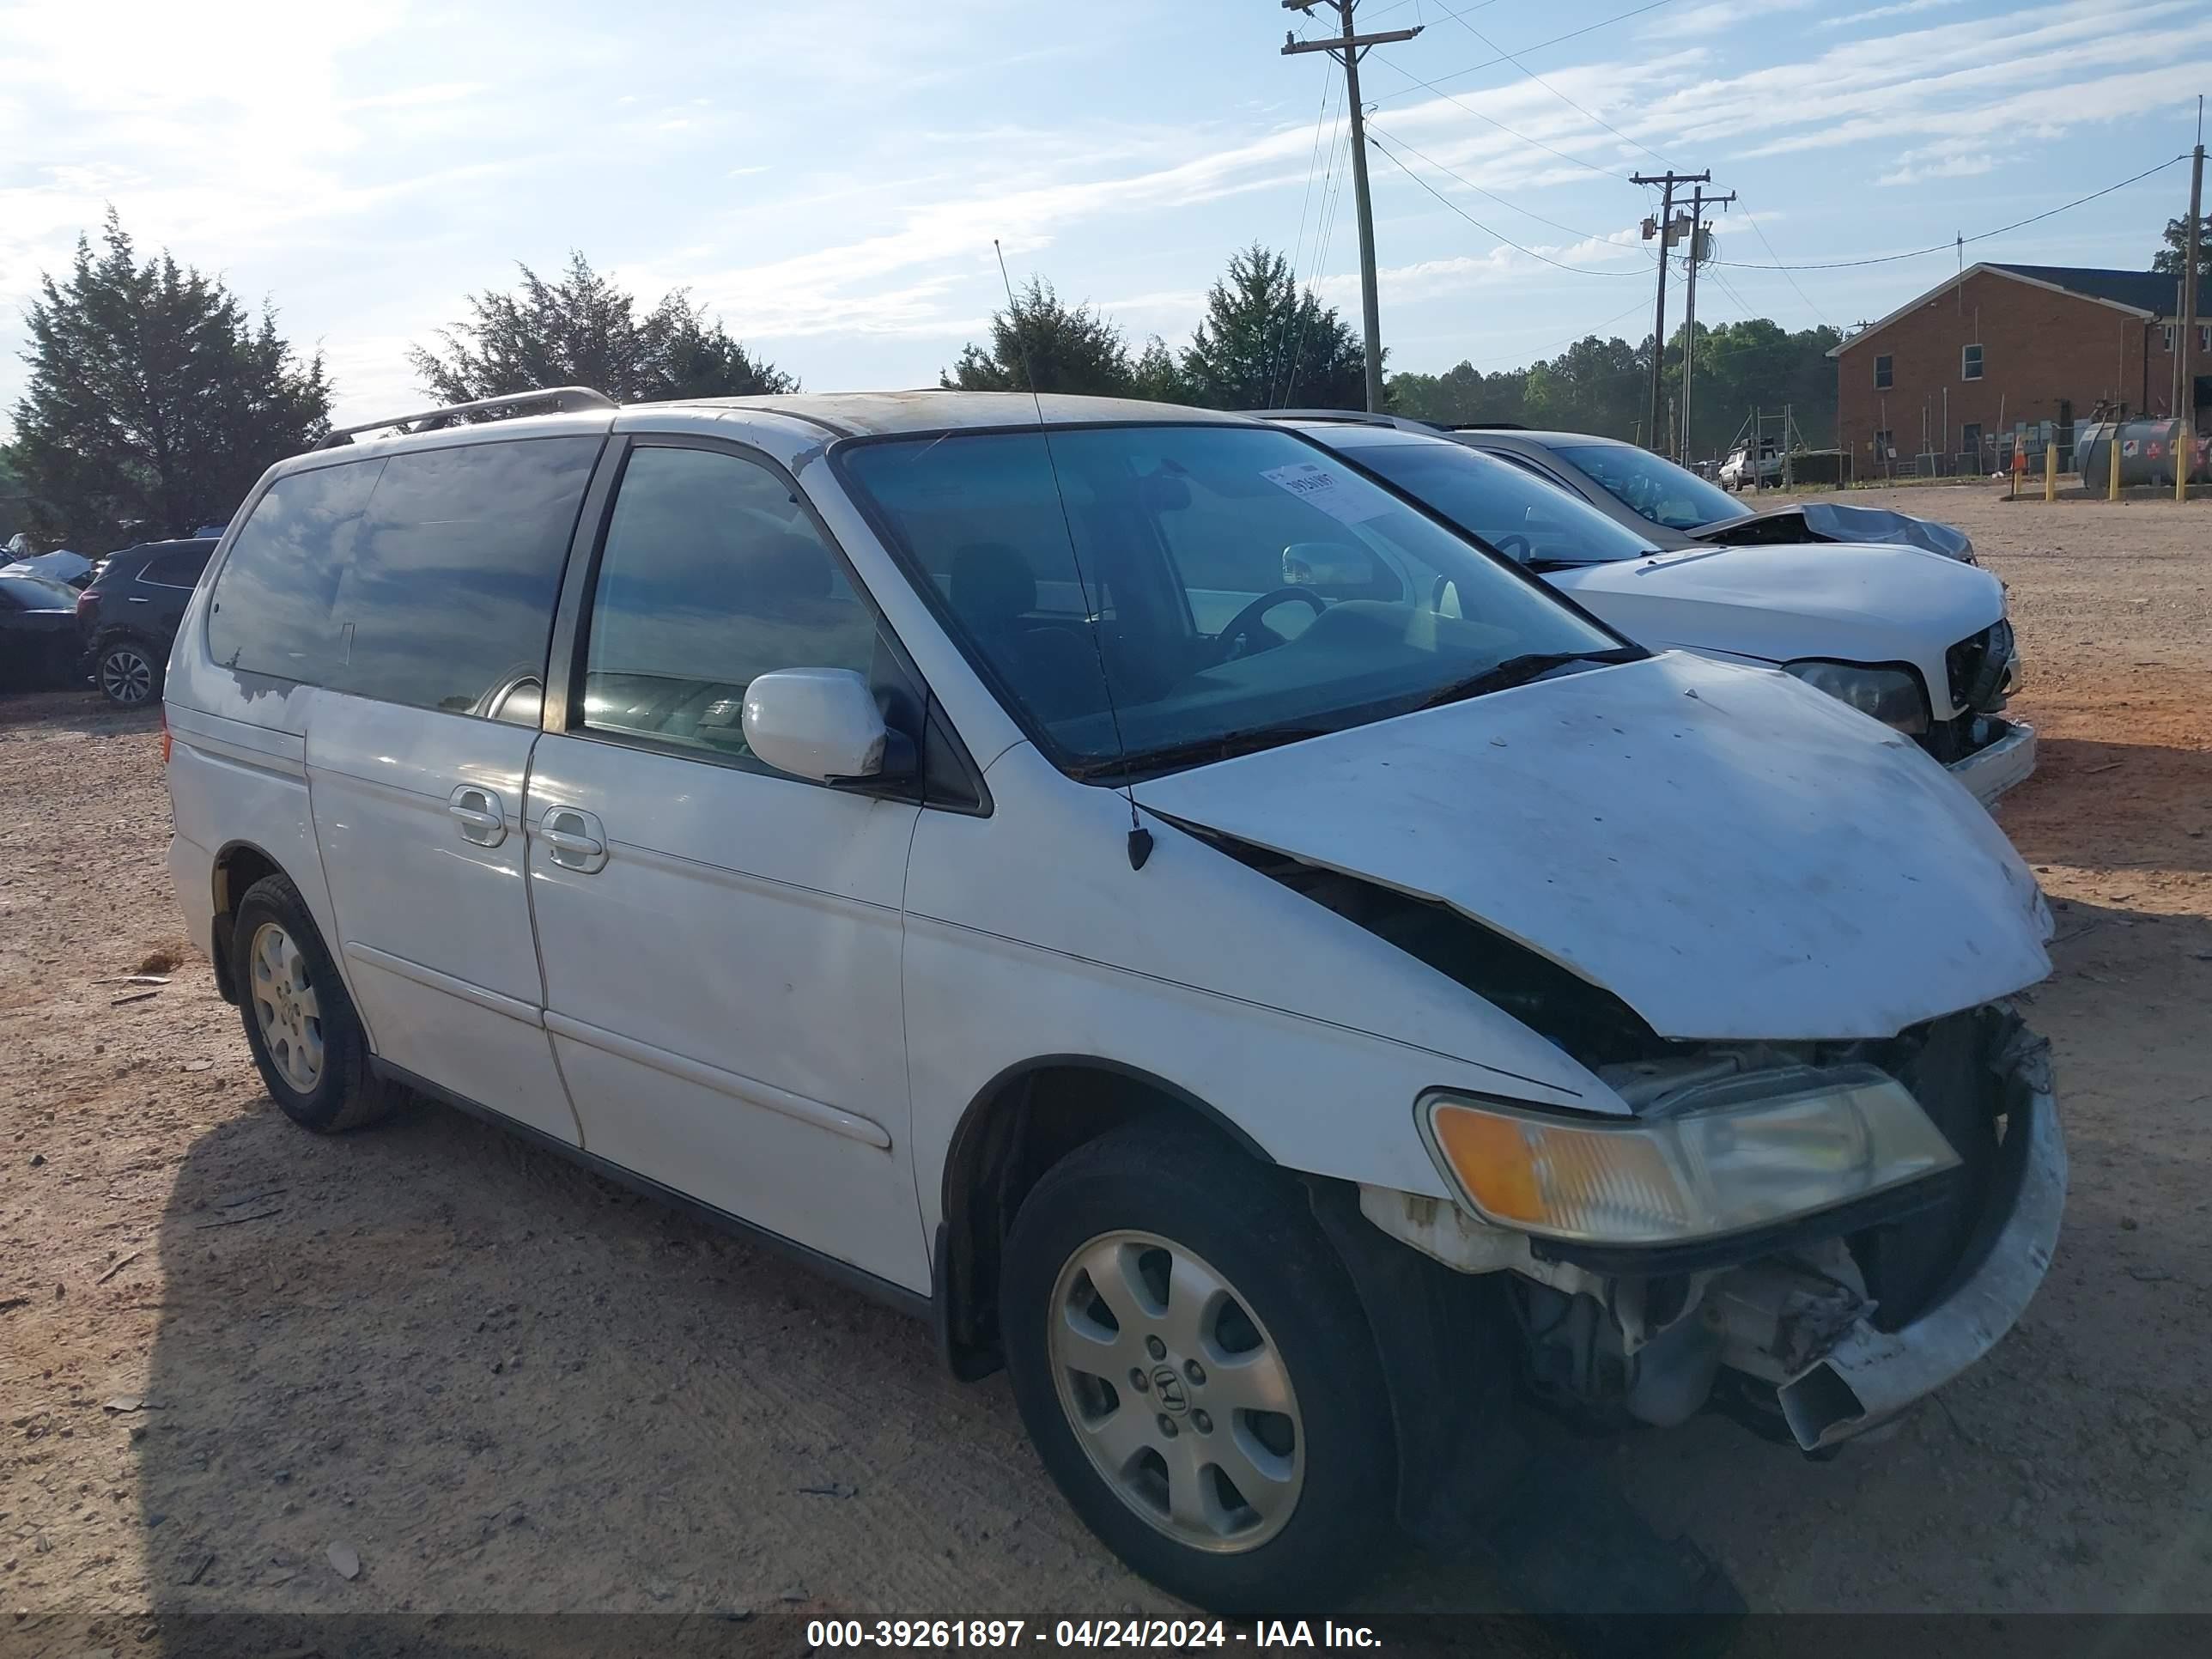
x=1941, y=384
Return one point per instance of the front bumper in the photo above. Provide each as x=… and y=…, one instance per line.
x=1997, y=766
x=1870, y=1376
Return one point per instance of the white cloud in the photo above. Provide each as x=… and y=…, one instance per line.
x=1901, y=9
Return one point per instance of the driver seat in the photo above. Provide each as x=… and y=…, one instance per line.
x=994, y=593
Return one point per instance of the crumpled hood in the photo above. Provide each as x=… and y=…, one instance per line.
x=1844, y=522
x=1731, y=853
x=1867, y=605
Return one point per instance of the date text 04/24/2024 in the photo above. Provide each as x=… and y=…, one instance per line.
x=1011, y=1633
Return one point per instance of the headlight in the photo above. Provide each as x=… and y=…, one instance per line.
x=1741, y=1153
x=1891, y=695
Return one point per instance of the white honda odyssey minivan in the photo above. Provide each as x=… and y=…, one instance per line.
x=1124, y=885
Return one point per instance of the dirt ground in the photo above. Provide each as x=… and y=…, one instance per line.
x=228, y=1346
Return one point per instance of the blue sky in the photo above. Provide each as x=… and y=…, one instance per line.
x=829, y=177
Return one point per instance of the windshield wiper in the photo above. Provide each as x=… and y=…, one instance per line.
x=1198, y=750
x=1519, y=670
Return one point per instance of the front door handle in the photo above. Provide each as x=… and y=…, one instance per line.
x=480, y=812
x=136, y=599
x=574, y=840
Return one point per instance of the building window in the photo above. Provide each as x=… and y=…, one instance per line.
x=2168, y=332
x=1885, y=447
x=1882, y=373
x=2204, y=336
x=1969, y=445
x=1970, y=362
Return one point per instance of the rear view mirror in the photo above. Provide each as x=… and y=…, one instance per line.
x=1338, y=569
x=823, y=724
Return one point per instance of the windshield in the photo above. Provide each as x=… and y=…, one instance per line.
x=1517, y=514
x=1234, y=585
x=1662, y=491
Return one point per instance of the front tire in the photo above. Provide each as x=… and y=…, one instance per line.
x=1196, y=1373
x=307, y=1039
x=128, y=673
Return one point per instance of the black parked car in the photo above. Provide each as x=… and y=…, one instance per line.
x=129, y=616
x=38, y=632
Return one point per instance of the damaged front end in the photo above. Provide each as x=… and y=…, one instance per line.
x=1819, y=1325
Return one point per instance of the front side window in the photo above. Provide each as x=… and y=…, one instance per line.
x=1231, y=586
x=711, y=574
x=1654, y=488
x=1502, y=505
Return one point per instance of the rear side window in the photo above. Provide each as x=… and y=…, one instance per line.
x=175, y=569
x=427, y=578
x=275, y=607
x=711, y=574
x=447, y=601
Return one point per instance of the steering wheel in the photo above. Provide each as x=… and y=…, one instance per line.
x=1247, y=621
x=1507, y=544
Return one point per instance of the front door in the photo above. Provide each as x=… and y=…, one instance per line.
x=721, y=941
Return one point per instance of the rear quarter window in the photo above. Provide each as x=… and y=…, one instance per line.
x=275, y=607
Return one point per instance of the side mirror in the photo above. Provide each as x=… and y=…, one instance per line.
x=823, y=724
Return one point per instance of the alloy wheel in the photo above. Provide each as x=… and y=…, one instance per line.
x=127, y=676
x=285, y=1007
x=1176, y=1392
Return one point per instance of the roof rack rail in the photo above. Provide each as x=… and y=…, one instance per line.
x=575, y=397
x=1349, y=417
x=1487, y=425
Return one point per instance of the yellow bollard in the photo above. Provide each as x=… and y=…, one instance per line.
x=2051, y=470
x=2113, y=489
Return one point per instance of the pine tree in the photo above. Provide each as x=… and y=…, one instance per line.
x=584, y=331
x=1265, y=344
x=153, y=401
x=1068, y=349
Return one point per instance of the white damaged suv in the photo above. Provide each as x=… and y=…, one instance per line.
x=1284, y=1023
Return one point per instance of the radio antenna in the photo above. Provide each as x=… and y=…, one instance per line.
x=1141, y=839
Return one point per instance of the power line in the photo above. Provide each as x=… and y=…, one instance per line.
x=1389, y=152
x=1461, y=20
x=1960, y=241
x=1450, y=98
x=1557, y=39
x=1784, y=270
x=1590, y=236
x=1328, y=88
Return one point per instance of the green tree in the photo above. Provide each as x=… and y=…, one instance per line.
x=1461, y=394
x=1157, y=374
x=154, y=400
x=1068, y=349
x=583, y=331
x=1263, y=344
x=2167, y=261
x=1594, y=385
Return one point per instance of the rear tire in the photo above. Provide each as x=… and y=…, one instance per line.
x=307, y=1039
x=128, y=674
x=1161, y=1294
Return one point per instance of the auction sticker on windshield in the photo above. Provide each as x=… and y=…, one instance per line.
x=1317, y=487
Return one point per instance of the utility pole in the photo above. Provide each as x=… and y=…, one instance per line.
x=1699, y=202
x=1347, y=49
x=2190, y=276
x=1665, y=232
